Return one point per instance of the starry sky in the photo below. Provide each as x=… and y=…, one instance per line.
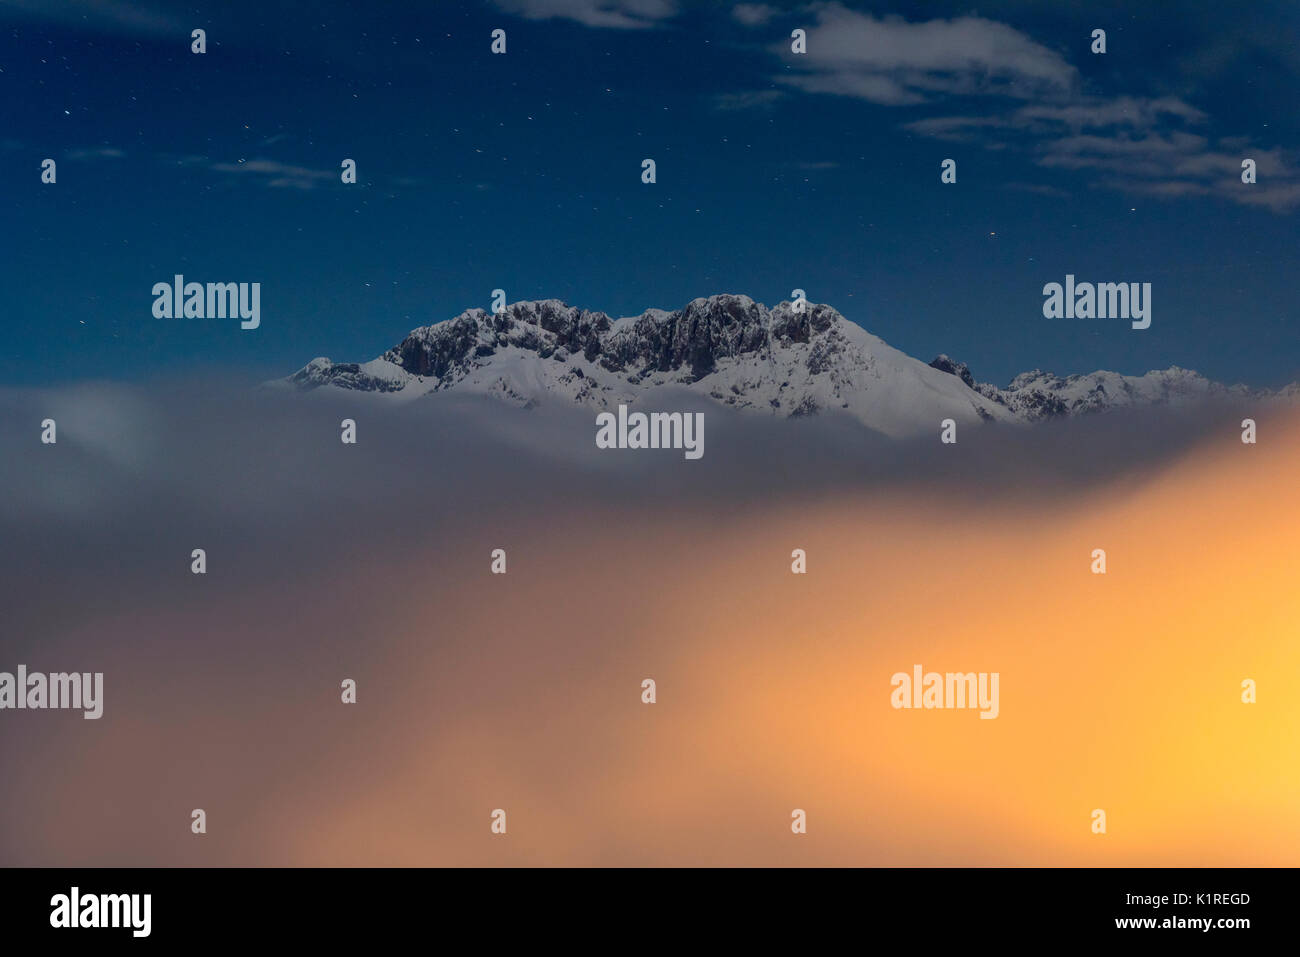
x=522, y=171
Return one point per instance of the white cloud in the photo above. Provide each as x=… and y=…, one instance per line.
x=753, y=14
x=110, y=16
x=1137, y=144
x=1075, y=115
x=96, y=152
x=1179, y=164
x=614, y=14
x=278, y=174
x=895, y=62
x=1279, y=197
x=1118, y=111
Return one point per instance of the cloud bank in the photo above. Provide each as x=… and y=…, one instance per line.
x=521, y=691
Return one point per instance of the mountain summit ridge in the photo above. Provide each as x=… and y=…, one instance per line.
x=737, y=352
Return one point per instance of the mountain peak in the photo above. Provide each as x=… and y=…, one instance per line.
x=950, y=366
x=792, y=359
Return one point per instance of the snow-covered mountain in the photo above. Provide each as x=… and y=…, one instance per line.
x=1038, y=395
x=734, y=351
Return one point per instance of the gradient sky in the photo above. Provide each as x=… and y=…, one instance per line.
x=523, y=172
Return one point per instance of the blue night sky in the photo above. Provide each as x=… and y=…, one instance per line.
x=523, y=171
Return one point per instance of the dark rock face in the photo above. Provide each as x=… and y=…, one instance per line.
x=435, y=355
x=690, y=339
x=952, y=367
x=1034, y=405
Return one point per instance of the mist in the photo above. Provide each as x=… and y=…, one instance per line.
x=476, y=691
